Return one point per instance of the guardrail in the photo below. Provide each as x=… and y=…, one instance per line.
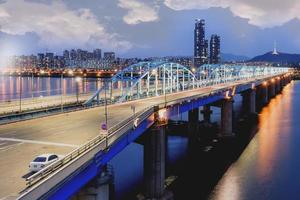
x=113, y=134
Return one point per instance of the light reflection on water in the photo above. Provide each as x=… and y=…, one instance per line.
x=10, y=87
x=269, y=166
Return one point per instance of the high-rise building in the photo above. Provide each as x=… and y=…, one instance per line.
x=200, y=44
x=215, y=53
x=73, y=54
x=66, y=55
x=40, y=60
x=97, y=54
x=109, y=56
x=49, y=60
x=78, y=54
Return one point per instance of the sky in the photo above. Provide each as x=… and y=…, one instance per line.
x=146, y=28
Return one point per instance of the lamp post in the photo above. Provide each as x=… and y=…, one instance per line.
x=61, y=90
x=105, y=113
x=77, y=79
x=20, y=92
x=32, y=89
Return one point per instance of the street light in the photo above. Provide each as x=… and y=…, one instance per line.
x=105, y=113
x=61, y=90
x=20, y=91
x=77, y=80
x=32, y=89
x=70, y=72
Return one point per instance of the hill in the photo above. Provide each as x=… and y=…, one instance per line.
x=277, y=58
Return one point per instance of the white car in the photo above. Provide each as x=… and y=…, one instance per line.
x=42, y=161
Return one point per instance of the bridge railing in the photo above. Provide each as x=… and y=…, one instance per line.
x=114, y=133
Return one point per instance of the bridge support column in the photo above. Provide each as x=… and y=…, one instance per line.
x=99, y=188
x=206, y=113
x=271, y=89
x=264, y=95
x=277, y=86
x=226, y=117
x=280, y=84
x=154, y=162
x=249, y=101
x=193, y=118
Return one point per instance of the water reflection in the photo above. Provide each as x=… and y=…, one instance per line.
x=267, y=167
x=13, y=87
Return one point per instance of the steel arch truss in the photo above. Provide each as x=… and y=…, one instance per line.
x=146, y=79
x=222, y=73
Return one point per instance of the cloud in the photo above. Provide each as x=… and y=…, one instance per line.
x=262, y=13
x=138, y=11
x=57, y=25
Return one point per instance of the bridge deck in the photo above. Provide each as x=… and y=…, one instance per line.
x=20, y=142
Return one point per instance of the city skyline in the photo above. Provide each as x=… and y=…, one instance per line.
x=128, y=31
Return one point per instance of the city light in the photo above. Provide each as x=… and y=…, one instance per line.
x=162, y=116
x=227, y=96
x=272, y=80
x=154, y=72
x=265, y=83
x=70, y=72
x=78, y=79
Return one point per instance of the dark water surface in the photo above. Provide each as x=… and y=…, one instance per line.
x=267, y=168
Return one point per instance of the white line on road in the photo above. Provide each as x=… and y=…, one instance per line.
x=10, y=147
x=3, y=143
x=38, y=142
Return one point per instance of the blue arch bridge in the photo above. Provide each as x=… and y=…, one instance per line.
x=164, y=90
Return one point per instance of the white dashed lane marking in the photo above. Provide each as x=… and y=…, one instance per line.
x=38, y=142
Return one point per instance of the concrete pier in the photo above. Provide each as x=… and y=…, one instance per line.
x=226, y=117
x=249, y=101
x=154, y=162
x=277, y=86
x=193, y=118
x=100, y=188
x=271, y=89
x=206, y=113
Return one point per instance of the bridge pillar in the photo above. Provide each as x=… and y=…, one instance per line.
x=99, y=188
x=249, y=101
x=280, y=84
x=277, y=86
x=206, y=113
x=154, y=162
x=271, y=89
x=264, y=94
x=226, y=117
x=193, y=118
x=283, y=81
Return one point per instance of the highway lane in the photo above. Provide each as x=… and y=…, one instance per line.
x=73, y=128
x=12, y=106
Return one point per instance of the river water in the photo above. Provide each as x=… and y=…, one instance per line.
x=12, y=87
x=268, y=167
